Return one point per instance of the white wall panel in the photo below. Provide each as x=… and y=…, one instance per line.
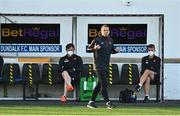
x=171, y=82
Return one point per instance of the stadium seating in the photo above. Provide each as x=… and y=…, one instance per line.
x=129, y=74
x=10, y=76
x=50, y=74
x=31, y=76
x=114, y=77
x=113, y=73
x=88, y=70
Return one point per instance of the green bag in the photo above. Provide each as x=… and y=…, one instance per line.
x=86, y=88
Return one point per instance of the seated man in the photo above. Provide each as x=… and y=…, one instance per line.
x=70, y=68
x=150, y=70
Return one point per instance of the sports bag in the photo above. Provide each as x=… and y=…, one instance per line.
x=127, y=96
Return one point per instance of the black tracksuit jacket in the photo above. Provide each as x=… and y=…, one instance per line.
x=152, y=64
x=102, y=56
x=71, y=64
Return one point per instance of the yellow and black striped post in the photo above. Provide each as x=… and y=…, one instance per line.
x=130, y=74
x=11, y=80
x=89, y=70
x=110, y=74
x=30, y=75
x=50, y=74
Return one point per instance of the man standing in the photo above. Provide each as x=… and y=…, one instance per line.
x=150, y=70
x=70, y=67
x=102, y=47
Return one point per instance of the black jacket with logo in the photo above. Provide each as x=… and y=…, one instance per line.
x=102, y=56
x=71, y=64
x=152, y=64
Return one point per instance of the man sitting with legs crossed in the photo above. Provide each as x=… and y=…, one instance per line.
x=150, y=71
x=70, y=68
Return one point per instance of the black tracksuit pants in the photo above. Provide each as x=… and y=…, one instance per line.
x=101, y=85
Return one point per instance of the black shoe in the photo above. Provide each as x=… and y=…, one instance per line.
x=91, y=105
x=138, y=88
x=109, y=105
x=146, y=99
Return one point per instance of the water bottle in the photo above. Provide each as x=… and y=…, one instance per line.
x=85, y=85
x=94, y=84
x=134, y=97
x=94, y=81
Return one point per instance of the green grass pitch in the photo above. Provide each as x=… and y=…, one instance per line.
x=68, y=109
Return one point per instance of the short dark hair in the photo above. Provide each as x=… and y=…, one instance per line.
x=151, y=46
x=69, y=46
x=105, y=25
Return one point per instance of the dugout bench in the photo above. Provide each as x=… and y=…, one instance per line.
x=48, y=74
